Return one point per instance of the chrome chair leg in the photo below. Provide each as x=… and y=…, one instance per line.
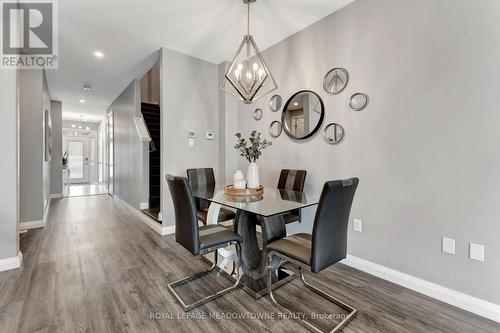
x=352, y=311
x=189, y=307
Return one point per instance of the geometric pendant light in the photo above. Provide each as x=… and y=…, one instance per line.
x=248, y=77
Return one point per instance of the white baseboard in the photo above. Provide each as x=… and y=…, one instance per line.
x=56, y=196
x=11, y=263
x=144, y=205
x=31, y=225
x=460, y=300
x=158, y=227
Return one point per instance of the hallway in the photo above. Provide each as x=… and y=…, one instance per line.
x=97, y=268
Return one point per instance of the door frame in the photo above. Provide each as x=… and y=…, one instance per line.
x=110, y=152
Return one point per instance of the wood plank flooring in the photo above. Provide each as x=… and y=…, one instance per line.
x=97, y=268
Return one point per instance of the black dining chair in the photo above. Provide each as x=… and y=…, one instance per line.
x=326, y=246
x=292, y=180
x=197, y=240
x=205, y=177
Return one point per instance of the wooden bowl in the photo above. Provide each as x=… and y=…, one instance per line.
x=230, y=190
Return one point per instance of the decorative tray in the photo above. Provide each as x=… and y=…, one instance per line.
x=230, y=190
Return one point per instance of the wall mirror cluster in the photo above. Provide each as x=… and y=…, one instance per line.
x=275, y=129
x=257, y=114
x=275, y=103
x=303, y=115
x=334, y=133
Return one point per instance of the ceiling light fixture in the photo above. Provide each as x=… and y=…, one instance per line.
x=82, y=101
x=99, y=54
x=247, y=74
x=87, y=128
x=87, y=87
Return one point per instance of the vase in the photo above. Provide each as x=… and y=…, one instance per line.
x=253, y=176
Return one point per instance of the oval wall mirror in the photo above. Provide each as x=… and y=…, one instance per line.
x=275, y=129
x=334, y=133
x=358, y=101
x=275, y=103
x=335, y=80
x=257, y=114
x=303, y=115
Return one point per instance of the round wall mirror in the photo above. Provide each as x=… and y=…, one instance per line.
x=334, y=133
x=275, y=129
x=358, y=101
x=275, y=103
x=303, y=115
x=335, y=80
x=257, y=114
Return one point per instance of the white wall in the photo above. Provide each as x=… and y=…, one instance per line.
x=189, y=103
x=425, y=149
x=9, y=217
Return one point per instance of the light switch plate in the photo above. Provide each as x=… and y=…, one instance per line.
x=448, y=245
x=358, y=225
x=191, y=134
x=476, y=252
x=210, y=136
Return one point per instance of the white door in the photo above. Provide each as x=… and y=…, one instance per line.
x=78, y=159
x=111, y=165
x=298, y=126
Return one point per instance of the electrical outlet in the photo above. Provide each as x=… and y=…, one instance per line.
x=358, y=225
x=448, y=245
x=476, y=252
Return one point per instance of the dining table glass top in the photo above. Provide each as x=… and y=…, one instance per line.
x=272, y=202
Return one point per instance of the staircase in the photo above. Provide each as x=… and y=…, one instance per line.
x=151, y=115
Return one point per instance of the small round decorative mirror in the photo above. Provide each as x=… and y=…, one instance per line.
x=333, y=133
x=275, y=129
x=257, y=114
x=335, y=80
x=358, y=101
x=275, y=103
x=303, y=115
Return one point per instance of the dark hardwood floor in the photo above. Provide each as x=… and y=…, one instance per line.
x=97, y=268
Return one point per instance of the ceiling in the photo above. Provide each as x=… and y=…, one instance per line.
x=129, y=31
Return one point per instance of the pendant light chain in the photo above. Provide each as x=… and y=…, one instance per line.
x=248, y=19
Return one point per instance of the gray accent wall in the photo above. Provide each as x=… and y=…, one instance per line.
x=9, y=217
x=45, y=164
x=56, y=186
x=129, y=157
x=426, y=147
x=31, y=204
x=189, y=103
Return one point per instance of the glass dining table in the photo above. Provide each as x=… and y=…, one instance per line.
x=267, y=211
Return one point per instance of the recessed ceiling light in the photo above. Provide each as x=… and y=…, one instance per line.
x=296, y=104
x=80, y=127
x=73, y=125
x=99, y=54
x=87, y=128
x=82, y=101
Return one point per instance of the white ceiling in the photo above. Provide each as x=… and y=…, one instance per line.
x=129, y=31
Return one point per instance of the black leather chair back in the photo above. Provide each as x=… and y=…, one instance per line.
x=292, y=180
x=201, y=177
x=329, y=238
x=186, y=222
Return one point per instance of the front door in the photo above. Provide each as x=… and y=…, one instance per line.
x=78, y=159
